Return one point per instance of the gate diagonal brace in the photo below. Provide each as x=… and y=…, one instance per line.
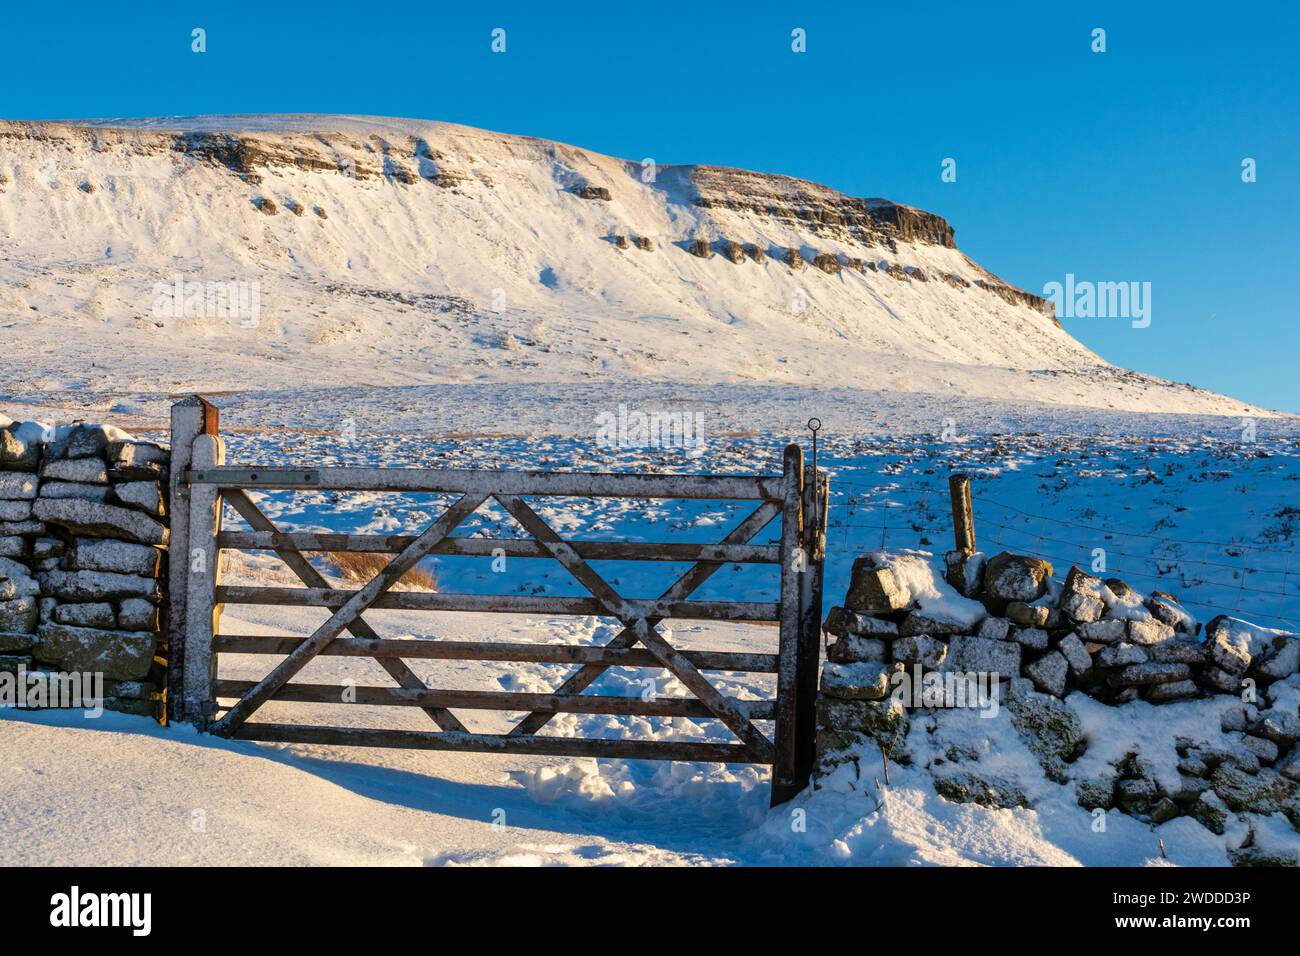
x=679, y=590
x=654, y=642
x=348, y=613
x=398, y=669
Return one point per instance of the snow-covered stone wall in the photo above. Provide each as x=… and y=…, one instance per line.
x=1208, y=718
x=83, y=538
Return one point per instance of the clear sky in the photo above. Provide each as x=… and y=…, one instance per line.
x=1117, y=166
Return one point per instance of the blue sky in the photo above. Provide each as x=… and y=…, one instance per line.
x=1115, y=166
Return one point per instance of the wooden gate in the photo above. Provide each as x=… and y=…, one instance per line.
x=202, y=484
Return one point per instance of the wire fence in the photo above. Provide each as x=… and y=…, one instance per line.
x=1209, y=577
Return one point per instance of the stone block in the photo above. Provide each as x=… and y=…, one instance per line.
x=118, y=655
x=98, y=519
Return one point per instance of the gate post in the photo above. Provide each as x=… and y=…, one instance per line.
x=785, y=782
x=815, y=488
x=200, y=565
x=190, y=418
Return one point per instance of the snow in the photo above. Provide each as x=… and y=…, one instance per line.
x=67, y=787
x=71, y=782
x=1129, y=607
x=1246, y=638
x=417, y=285
x=412, y=807
x=135, y=794
x=1285, y=693
x=35, y=432
x=489, y=326
x=934, y=597
x=1213, y=530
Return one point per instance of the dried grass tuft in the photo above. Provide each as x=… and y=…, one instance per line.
x=361, y=566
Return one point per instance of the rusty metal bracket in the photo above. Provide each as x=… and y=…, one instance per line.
x=254, y=478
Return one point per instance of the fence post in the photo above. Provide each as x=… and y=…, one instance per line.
x=784, y=778
x=963, y=518
x=190, y=417
x=201, y=565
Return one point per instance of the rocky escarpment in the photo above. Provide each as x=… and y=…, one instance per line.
x=833, y=263
x=870, y=222
x=760, y=277
x=407, y=160
x=251, y=155
x=829, y=216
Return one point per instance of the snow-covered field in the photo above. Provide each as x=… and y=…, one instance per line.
x=1209, y=518
x=122, y=790
x=1204, y=511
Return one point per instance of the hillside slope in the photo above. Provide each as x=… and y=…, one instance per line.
x=395, y=252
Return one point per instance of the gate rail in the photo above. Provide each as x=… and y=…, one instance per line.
x=202, y=484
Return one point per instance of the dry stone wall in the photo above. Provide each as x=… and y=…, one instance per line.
x=1047, y=639
x=83, y=553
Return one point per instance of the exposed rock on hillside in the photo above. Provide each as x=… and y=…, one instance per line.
x=518, y=230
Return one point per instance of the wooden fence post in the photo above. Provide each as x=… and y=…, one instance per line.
x=201, y=563
x=190, y=417
x=793, y=561
x=963, y=518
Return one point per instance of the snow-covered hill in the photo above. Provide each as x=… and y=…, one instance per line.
x=382, y=252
